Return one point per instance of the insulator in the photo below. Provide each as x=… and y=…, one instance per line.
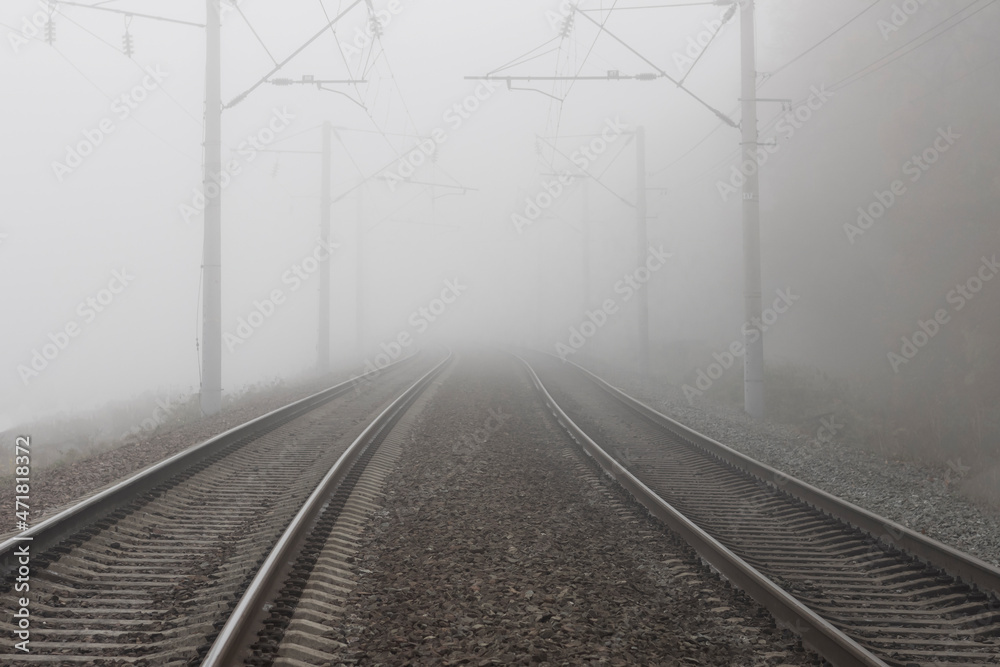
x=376, y=27
x=128, y=48
x=50, y=31
x=567, y=26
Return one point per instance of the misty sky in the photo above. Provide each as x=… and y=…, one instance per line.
x=119, y=225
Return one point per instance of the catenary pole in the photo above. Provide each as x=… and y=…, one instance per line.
x=753, y=360
x=211, y=339
x=323, y=335
x=642, y=247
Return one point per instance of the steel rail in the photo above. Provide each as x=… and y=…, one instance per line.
x=55, y=529
x=956, y=563
x=234, y=638
x=815, y=632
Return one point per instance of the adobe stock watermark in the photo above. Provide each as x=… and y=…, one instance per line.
x=696, y=44
x=558, y=18
x=956, y=472
x=958, y=298
x=628, y=286
x=263, y=310
x=582, y=157
x=161, y=414
x=248, y=150
x=826, y=434
x=900, y=15
x=827, y=431
x=420, y=320
x=470, y=443
x=378, y=21
x=87, y=311
x=752, y=330
x=915, y=168
x=122, y=108
x=32, y=26
x=787, y=126
x=454, y=117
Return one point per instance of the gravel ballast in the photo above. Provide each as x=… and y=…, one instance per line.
x=498, y=544
x=56, y=487
x=923, y=498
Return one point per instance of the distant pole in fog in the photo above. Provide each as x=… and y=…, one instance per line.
x=586, y=245
x=540, y=292
x=642, y=247
x=753, y=362
x=211, y=337
x=359, y=317
x=323, y=336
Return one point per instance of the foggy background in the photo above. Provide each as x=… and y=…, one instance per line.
x=62, y=236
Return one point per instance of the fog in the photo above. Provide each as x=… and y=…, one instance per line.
x=447, y=191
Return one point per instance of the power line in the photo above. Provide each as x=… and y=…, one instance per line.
x=725, y=19
x=137, y=66
x=769, y=76
x=250, y=25
x=340, y=50
x=845, y=82
x=825, y=39
x=683, y=4
x=589, y=175
x=662, y=73
x=127, y=13
x=889, y=59
x=242, y=96
x=518, y=60
x=778, y=117
x=593, y=44
x=133, y=117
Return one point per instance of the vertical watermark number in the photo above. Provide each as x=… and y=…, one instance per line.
x=22, y=463
x=22, y=509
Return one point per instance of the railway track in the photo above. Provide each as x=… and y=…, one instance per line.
x=859, y=589
x=285, y=616
x=147, y=572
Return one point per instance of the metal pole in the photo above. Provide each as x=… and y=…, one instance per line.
x=753, y=360
x=540, y=325
x=360, y=269
x=211, y=338
x=586, y=245
x=642, y=247
x=323, y=338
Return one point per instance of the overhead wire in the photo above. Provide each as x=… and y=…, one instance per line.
x=254, y=31
x=518, y=60
x=889, y=59
x=392, y=81
x=841, y=85
x=824, y=40
x=135, y=64
x=769, y=76
x=726, y=19
x=340, y=50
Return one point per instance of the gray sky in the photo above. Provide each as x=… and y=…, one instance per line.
x=67, y=232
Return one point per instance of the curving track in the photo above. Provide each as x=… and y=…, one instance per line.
x=887, y=606
x=155, y=565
